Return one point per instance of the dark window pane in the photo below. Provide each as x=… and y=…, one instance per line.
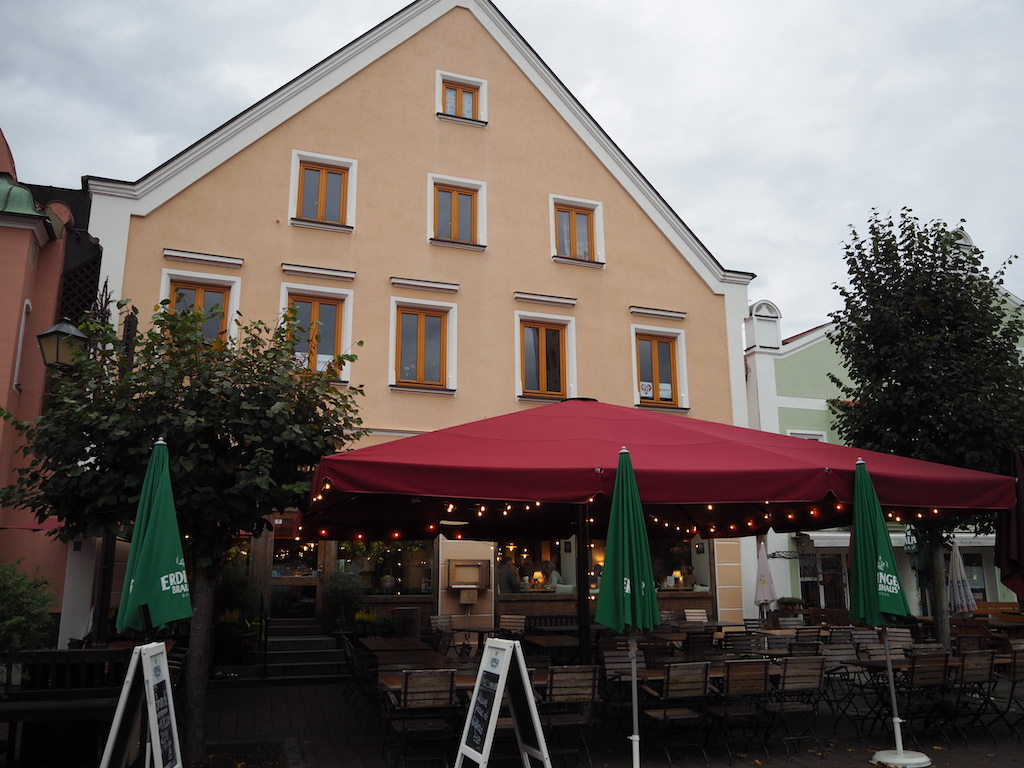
x=185, y=299
x=332, y=205
x=310, y=193
x=553, y=360
x=665, y=370
x=432, y=349
x=531, y=359
x=582, y=235
x=327, y=331
x=466, y=218
x=646, y=369
x=407, y=359
x=564, y=236
x=303, y=318
x=444, y=214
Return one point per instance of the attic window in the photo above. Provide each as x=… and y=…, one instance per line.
x=461, y=99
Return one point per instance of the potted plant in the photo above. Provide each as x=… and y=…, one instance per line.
x=343, y=591
x=790, y=604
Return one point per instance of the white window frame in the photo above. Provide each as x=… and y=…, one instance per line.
x=480, y=187
x=569, y=323
x=451, y=348
x=351, y=168
x=344, y=295
x=441, y=77
x=597, y=209
x=679, y=336
x=233, y=284
x=26, y=310
x=808, y=434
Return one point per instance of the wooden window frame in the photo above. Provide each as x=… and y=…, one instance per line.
x=314, y=340
x=421, y=312
x=200, y=288
x=455, y=191
x=324, y=170
x=573, y=211
x=542, y=326
x=460, y=88
x=656, y=399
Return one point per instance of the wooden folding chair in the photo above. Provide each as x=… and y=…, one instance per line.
x=675, y=709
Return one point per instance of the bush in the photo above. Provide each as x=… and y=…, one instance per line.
x=25, y=621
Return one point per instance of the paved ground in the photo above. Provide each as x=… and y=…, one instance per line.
x=326, y=727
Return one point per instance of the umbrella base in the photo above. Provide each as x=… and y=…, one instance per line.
x=898, y=759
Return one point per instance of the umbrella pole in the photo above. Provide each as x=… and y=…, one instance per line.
x=635, y=738
x=897, y=758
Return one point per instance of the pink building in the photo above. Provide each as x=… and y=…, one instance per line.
x=50, y=271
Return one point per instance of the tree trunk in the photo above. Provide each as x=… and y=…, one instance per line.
x=197, y=669
x=933, y=540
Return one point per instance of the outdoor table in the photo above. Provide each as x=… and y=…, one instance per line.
x=425, y=659
x=565, y=645
x=482, y=633
x=669, y=637
x=380, y=644
x=464, y=681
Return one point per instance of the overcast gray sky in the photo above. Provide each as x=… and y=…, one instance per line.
x=770, y=127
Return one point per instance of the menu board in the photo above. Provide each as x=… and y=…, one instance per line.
x=145, y=694
x=502, y=671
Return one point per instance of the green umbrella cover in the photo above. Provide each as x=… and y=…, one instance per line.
x=876, y=594
x=155, y=576
x=628, y=596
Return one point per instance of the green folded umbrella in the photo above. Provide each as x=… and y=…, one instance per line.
x=628, y=596
x=155, y=576
x=876, y=594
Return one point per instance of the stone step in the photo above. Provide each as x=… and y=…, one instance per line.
x=333, y=655
x=302, y=643
x=307, y=669
x=294, y=627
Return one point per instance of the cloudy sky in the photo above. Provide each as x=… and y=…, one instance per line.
x=770, y=127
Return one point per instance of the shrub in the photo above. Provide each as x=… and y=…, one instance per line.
x=25, y=621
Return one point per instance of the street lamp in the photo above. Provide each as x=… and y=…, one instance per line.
x=59, y=343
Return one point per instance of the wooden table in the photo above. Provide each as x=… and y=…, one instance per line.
x=564, y=646
x=464, y=681
x=389, y=644
x=482, y=633
x=425, y=659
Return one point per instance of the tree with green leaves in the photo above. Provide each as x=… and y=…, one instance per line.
x=245, y=421
x=929, y=342
x=25, y=621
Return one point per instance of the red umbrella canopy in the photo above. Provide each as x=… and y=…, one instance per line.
x=696, y=476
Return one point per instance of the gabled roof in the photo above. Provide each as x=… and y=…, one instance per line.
x=217, y=147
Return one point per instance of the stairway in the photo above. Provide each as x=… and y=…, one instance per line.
x=297, y=652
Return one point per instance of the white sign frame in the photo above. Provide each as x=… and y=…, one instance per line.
x=502, y=670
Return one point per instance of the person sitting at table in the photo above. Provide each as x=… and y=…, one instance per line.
x=551, y=576
x=508, y=576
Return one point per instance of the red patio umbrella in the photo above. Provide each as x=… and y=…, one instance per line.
x=535, y=467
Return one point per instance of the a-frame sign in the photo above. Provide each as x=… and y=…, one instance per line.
x=502, y=670
x=146, y=700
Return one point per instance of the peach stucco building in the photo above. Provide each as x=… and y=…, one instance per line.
x=457, y=211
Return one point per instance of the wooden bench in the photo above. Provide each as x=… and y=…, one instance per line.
x=59, y=686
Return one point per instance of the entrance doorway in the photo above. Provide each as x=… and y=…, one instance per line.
x=292, y=570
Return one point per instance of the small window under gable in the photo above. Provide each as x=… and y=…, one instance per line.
x=461, y=98
x=322, y=191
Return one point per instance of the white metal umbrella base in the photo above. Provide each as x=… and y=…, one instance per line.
x=900, y=759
